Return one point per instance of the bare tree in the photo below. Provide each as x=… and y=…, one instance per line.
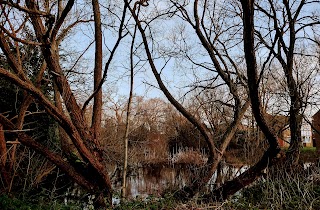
x=290, y=27
x=219, y=45
x=222, y=30
x=270, y=156
x=222, y=66
x=126, y=135
x=40, y=28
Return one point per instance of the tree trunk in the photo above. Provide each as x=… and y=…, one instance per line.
x=82, y=136
x=212, y=164
x=248, y=177
x=126, y=136
x=295, y=98
x=229, y=188
x=3, y=147
x=97, y=104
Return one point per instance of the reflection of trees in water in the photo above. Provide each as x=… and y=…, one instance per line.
x=156, y=179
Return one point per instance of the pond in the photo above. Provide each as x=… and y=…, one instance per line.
x=155, y=179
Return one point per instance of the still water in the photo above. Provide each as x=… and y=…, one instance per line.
x=155, y=179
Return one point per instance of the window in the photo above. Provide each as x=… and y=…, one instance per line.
x=306, y=139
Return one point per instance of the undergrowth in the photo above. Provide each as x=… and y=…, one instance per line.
x=278, y=189
x=12, y=203
x=298, y=188
x=150, y=203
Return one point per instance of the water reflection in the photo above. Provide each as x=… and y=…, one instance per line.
x=155, y=179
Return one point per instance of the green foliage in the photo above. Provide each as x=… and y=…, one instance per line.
x=308, y=149
x=8, y=203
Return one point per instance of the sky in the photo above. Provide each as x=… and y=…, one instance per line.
x=177, y=74
x=118, y=74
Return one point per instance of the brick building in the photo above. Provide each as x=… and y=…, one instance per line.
x=316, y=130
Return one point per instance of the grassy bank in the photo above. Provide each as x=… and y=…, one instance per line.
x=309, y=154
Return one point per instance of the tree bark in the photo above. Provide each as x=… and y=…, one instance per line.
x=97, y=103
x=293, y=152
x=3, y=147
x=252, y=73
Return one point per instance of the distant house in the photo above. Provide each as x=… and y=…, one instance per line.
x=306, y=136
x=280, y=125
x=316, y=130
x=284, y=138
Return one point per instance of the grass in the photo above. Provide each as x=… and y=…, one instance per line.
x=309, y=154
x=150, y=203
x=308, y=149
x=12, y=203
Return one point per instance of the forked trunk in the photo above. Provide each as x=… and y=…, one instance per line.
x=248, y=177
